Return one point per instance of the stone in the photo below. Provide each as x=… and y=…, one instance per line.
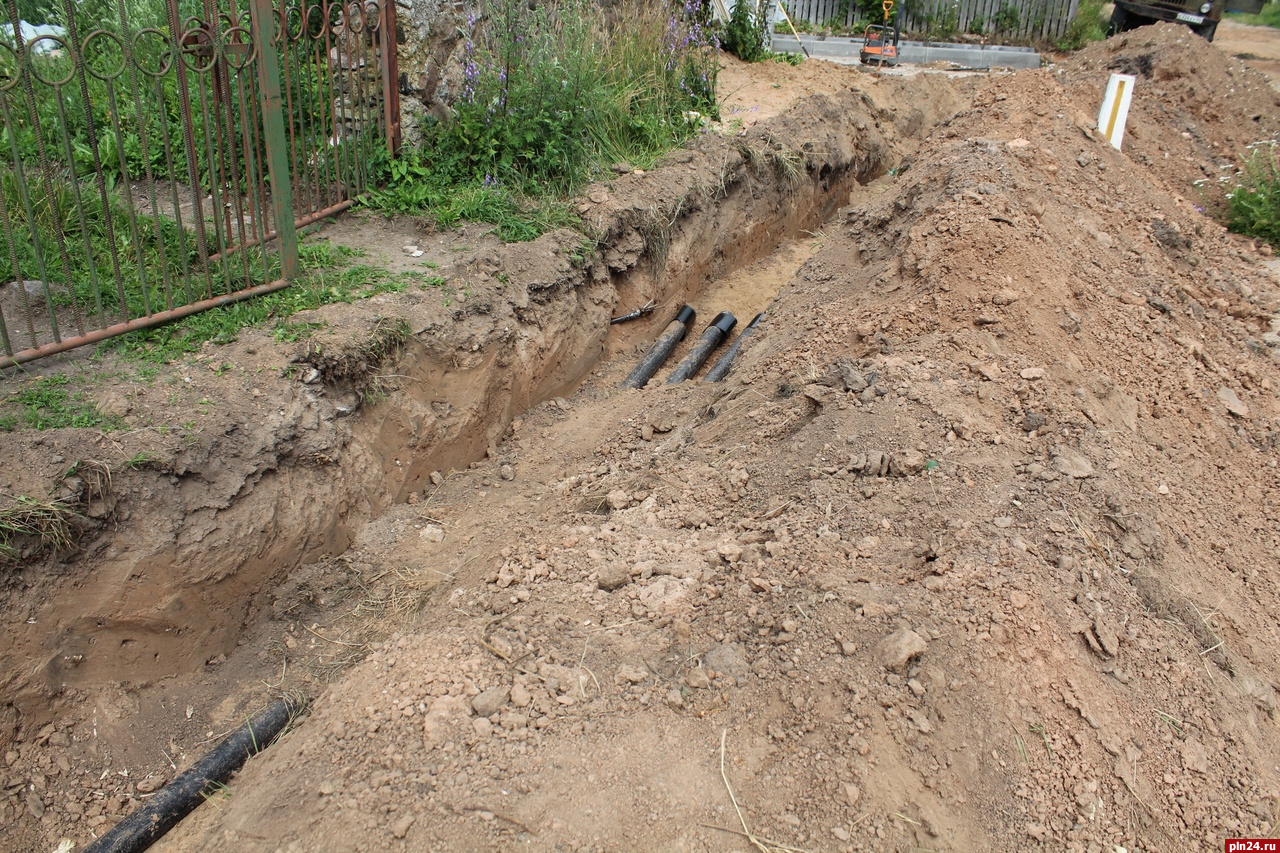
x=432, y=533
x=729, y=659
x=1195, y=758
x=35, y=803
x=632, y=674
x=401, y=827
x=1005, y=297
x=730, y=551
x=489, y=702
x=898, y=649
x=907, y=464
x=151, y=784
x=520, y=696
x=618, y=499
x=613, y=576
x=852, y=380
x=1072, y=463
x=506, y=472
x=1108, y=638
x=1004, y=522
x=852, y=793
x=1033, y=421
x=1234, y=404
x=1032, y=373
x=675, y=699
x=35, y=290
x=697, y=678
x=113, y=403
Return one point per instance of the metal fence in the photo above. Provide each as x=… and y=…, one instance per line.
x=1023, y=20
x=151, y=171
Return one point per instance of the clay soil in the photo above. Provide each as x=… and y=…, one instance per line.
x=975, y=549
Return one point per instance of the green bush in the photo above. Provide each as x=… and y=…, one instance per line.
x=551, y=97
x=1007, y=19
x=1088, y=25
x=746, y=33
x=1253, y=207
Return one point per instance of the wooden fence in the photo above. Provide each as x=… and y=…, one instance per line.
x=998, y=20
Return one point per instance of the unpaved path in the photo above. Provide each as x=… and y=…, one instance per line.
x=1259, y=47
x=974, y=550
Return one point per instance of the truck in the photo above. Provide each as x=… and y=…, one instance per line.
x=1202, y=16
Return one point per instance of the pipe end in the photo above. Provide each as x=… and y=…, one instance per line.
x=725, y=322
x=685, y=315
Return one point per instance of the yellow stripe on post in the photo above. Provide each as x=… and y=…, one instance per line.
x=1115, y=108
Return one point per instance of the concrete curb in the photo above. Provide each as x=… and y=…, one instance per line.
x=915, y=52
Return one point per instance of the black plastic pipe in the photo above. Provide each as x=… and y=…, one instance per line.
x=661, y=349
x=715, y=334
x=721, y=368
x=179, y=798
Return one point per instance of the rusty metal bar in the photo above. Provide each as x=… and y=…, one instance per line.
x=388, y=58
x=273, y=129
x=147, y=322
x=300, y=222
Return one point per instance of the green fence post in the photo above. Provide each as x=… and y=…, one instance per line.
x=264, y=32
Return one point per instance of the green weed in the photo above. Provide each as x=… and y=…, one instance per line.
x=47, y=403
x=1253, y=207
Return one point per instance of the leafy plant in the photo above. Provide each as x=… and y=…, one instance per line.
x=1007, y=19
x=1253, y=207
x=746, y=33
x=552, y=95
x=1087, y=26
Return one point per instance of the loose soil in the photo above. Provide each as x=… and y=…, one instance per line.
x=975, y=549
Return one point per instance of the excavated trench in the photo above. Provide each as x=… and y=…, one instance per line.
x=200, y=542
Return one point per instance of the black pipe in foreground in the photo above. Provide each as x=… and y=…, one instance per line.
x=719, y=329
x=179, y=798
x=661, y=349
x=721, y=368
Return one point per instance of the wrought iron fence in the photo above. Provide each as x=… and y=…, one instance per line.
x=151, y=171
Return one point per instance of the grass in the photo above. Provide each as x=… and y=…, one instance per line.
x=46, y=402
x=329, y=276
x=46, y=522
x=1268, y=17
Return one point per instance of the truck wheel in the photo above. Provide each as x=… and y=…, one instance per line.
x=1120, y=21
x=1207, y=30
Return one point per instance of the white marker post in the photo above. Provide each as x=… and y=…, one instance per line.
x=1115, y=108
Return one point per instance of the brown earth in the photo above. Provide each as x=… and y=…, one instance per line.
x=975, y=549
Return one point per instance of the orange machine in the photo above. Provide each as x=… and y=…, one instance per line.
x=880, y=41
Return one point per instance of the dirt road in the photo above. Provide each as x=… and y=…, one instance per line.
x=1259, y=47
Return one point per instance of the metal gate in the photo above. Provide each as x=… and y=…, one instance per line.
x=150, y=169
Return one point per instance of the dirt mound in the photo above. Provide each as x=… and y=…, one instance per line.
x=1195, y=109
x=974, y=550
